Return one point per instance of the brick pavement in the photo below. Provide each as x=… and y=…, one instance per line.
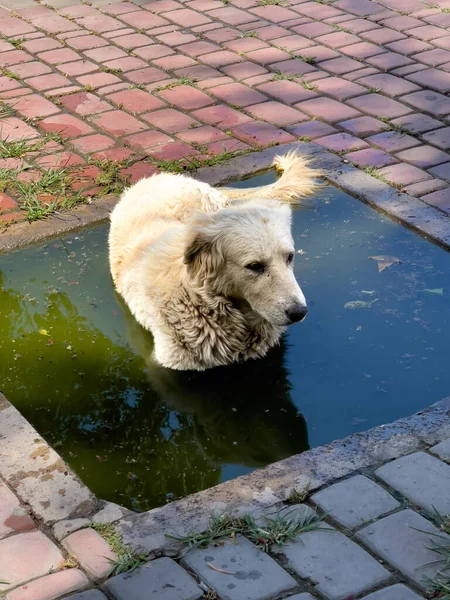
x=144, y=82
x=375, y=542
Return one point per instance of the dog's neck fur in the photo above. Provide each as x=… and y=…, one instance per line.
x=210, y=329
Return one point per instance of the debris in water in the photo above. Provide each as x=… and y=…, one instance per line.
x=44, y=332
x=355, y=304
x=437, y=291
x=368, y=292
x=384, y=261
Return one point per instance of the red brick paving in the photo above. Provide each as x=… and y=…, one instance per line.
x=350, y=73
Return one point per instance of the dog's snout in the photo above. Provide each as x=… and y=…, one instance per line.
x=296, y=313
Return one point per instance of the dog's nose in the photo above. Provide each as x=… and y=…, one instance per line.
x=296, y=313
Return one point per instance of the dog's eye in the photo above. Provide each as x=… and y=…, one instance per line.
x=256, y=267
x=290, y=257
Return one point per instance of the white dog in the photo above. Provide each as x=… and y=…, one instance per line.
x=210, y=271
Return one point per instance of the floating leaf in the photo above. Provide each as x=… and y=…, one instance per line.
x=437, y=291
x=384, y=261
x=356, y=304
x=44, y=332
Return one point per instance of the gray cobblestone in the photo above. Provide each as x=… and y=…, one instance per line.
x=339, y=567
x=301, y=597
x=423, y=479
x=355, y=501
x=251, y=574
x=395, y=592
x=442, y=450
x=403, y=540
x=89, y=595
x=161, y=579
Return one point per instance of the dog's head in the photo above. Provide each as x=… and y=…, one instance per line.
x=246, y=253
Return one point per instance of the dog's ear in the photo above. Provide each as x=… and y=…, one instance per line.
x=203, y=255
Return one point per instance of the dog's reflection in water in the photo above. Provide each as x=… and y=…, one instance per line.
x=241, y=414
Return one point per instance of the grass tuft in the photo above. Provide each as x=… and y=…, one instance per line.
x=285, y=77
x=310, y=60
x=267, y=534
x=127, y=559
x=271, y=2
x=111, y=179
x=181, y=81
x=297, y=496
x=7, y=111
x=191, y=163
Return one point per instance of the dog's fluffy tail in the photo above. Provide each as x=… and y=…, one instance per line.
x=298, y=180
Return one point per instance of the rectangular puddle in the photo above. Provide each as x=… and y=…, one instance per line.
x=372, y=349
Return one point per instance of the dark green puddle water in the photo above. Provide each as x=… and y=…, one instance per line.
x=139, y=435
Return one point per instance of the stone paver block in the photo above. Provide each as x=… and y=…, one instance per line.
x=340, y=142
x=442, y=449
x=439, y=137
x=441, y=171
x=370, y=158
x=27, y=556
x=301, y=597
x=404, y=174
x=35, y=106
x=170, y=120
x=91, y=550
x=253, y=574
x=356, y=500
x=379, y=106
x=362, y=8
x=394, y=592
x=260, y=133
x=417, y=123
x=339, y=567
x=163, y=579
x=425, y=187
x=434, y=57
x=186, y=97
x=221, y=116
x=403, y=540
x=312, y=130
x=424, y=156
x=389, y=61
x=276, y=113
x=423, y=479
x=89, y=595
x=431, y=102
x=66, y=125
x=362, y=50
x=85, y=103
x=392, y=141
x=328, y=109
x=118, y=123
x=13, y=518
x=136, y=101
x=340, y=66
x=51, y=586
x=363, y=126
x=286, y=91
x=339, y=88
x=389, y=84
x=432, y=78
